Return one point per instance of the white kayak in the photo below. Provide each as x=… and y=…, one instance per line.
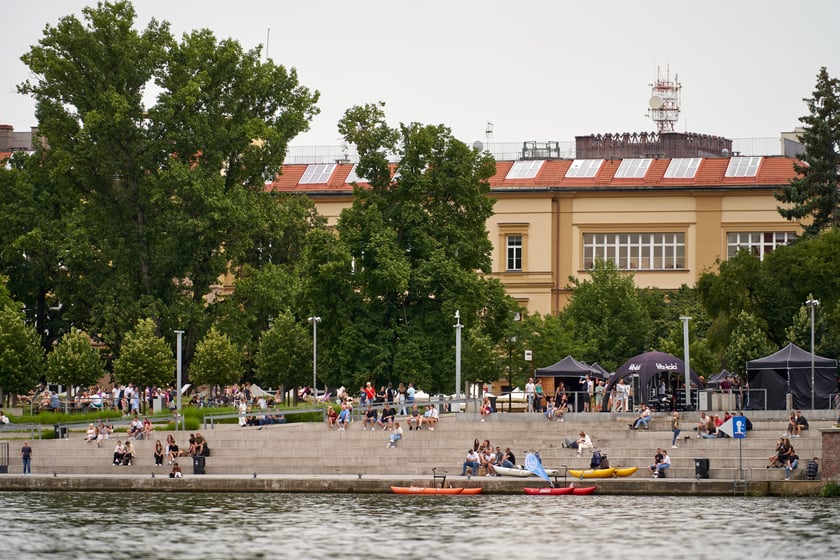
x=521, y=471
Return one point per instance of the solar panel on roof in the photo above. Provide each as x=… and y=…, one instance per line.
x=525, y=169
x=317, y=173
x=584, y=168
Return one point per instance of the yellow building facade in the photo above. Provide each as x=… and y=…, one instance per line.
x=665, y=220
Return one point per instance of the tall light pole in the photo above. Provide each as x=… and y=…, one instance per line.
x=685, y=321
x=458, y=326
x=314, y=321
x=178, y=369
x=812, y=303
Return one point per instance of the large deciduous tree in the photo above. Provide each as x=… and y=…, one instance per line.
x=610, y=322
x=813, y=197
x=169, y=194
x=417, y=238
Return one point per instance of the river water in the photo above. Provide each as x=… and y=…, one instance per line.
x=79, y=525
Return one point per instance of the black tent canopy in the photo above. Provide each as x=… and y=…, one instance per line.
x=568, y=367
x=789, y=371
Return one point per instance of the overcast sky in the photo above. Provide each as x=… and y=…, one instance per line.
x=538, y=70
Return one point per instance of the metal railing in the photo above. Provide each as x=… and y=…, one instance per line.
x=508, y=151
x=212, y=419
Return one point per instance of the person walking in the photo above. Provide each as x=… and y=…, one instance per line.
x=675, y=428
x=26, y=458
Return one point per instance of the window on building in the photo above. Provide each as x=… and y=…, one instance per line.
x=743, y=166
x=525, y=169
x=633, y=168
x=682, y=168
x=636, y=251
x=581, y=168
x=514, y=253
x=317, y=173
x=759, y=243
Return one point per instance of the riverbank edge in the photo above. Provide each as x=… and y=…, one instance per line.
x=372, y=484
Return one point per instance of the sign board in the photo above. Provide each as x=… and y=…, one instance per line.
x=739, y=429
x=528, y=355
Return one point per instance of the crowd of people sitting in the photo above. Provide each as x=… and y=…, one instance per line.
x=483, y=457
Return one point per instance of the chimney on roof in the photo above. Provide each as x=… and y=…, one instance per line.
x=7, y=135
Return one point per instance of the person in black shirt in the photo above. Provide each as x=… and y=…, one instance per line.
x=386, y=420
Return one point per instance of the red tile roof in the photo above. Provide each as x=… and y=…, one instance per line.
x=773, y=171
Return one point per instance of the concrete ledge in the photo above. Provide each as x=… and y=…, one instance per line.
x=376, y=484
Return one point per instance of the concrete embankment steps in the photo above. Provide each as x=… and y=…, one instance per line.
x=312, y=449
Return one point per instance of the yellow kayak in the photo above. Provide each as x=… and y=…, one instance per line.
x=602, y=473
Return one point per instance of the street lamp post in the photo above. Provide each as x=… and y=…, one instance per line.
x=178, y=369
x=458, y=326
x=314, y=321
x=685, y=321
x=812, y=303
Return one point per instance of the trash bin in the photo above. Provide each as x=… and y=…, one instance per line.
x=60, y=431
x=198, y=464
x=701, y=468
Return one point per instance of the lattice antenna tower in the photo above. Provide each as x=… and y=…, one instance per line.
x=665, y=100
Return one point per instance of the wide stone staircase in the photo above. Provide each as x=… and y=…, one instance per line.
x=310, y=448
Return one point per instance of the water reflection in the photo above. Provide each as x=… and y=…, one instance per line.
x=209, y=526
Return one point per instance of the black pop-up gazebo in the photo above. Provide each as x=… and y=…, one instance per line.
x=789, y=371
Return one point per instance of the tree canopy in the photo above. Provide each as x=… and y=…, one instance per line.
x=813, y=197
x=159, y=198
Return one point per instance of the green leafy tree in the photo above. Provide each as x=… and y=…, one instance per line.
x=21, y=357
x=146, y=359
x=725, y=294
x=74, y=362
x=415, y=239
x=34, y=209
x=790, y=274
x=217, y=361
x=747, y=342
x=813, y=197
x=610, y=321
x=284, y=356
x=170, y=196
x=686, y=303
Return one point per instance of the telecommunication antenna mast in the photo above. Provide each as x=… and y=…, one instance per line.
x=665, y=101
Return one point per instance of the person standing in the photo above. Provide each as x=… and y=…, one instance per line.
x=675, y=428
x=599, y=396
x=530, y=392
x=26, y=458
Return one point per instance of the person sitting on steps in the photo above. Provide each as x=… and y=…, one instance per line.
x=643, y=418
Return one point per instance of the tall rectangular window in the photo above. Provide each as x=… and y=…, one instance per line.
x=635, y=251
x=514, y=253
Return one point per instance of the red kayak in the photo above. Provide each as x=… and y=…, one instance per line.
x=574, y=491
x=425, y=490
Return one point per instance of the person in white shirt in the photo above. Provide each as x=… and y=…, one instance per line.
x=643, y=419
x=584, y=442
x=530, y=393
x=664, y=464
x=471, y=463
